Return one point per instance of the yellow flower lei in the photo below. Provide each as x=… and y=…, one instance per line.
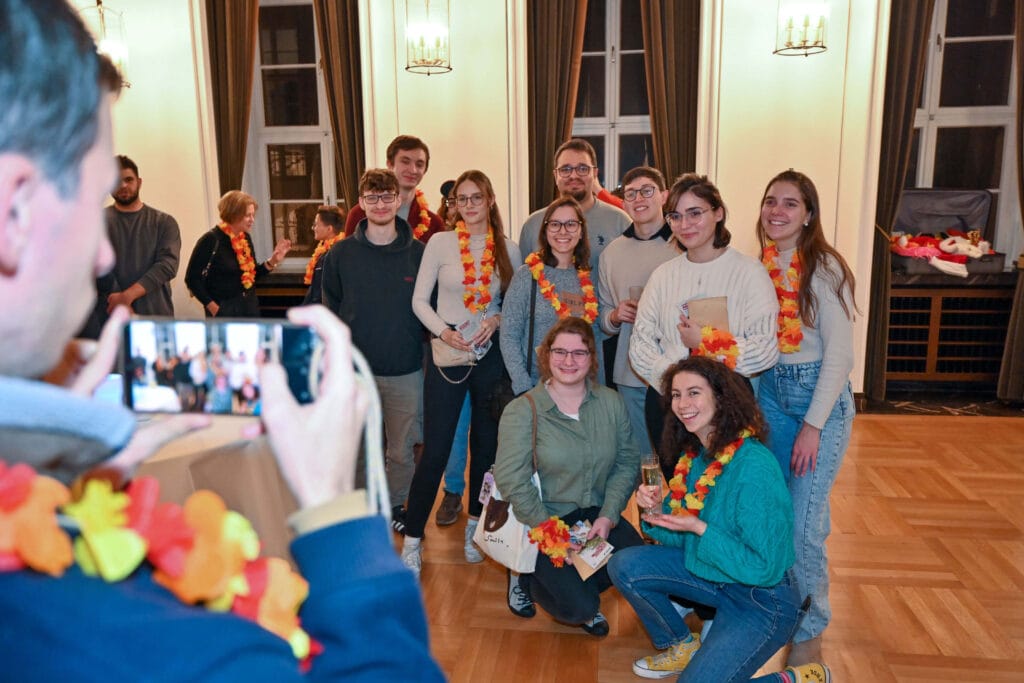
x=547, y=289
x=322, y=248
x=477, y=298
x=718, y=344
x=243, y=254
x=677, y=484
x=787, y=291
x=424, y=224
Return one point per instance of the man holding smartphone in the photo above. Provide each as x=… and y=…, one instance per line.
x=56, y=167
x=368, y=282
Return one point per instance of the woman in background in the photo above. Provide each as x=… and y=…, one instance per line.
x=807, y=398
x=222, y=271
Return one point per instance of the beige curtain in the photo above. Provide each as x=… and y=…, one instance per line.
x=554, y=53
x=231, y=29
x=671, y=31
x=337, y=24
x=909, y=34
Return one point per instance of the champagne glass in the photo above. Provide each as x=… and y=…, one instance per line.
x=650, y=471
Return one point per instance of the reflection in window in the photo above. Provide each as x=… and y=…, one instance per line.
x=286, y=36
x=295, y=171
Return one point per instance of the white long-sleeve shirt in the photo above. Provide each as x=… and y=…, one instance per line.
x=750, y=300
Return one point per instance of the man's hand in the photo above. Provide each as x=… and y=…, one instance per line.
x=316, y=444
x=86, y=363
x=125, y=298
x=625, y=312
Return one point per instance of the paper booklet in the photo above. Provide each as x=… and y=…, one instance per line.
x=713, y=311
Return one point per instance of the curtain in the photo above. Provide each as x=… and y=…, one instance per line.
x=554, y=53
x=337, y=25
x=231, y=30
x=1011, y=373
x=671, y=31
x=909, y=35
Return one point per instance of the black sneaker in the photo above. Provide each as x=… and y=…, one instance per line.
x=519, y=601
x=449, y=509
x=398, y=519
x=598, y=626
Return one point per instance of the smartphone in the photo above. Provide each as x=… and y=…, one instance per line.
x=211, y=366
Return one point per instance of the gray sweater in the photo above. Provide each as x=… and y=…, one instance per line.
x=147, y=244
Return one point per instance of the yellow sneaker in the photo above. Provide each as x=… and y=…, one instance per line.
x=810, y=673
x=668, y=663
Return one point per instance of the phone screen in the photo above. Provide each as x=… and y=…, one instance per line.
x=196, y=366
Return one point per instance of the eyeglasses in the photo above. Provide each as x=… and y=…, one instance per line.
x=689, y=216
x=647, y=191
x=387, y=198
x=570, y=227
x=472, y=200
x=562, y=354
x=582, y=170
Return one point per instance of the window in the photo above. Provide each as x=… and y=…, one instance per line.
x=963, y=135
x=292, y=160
x=612, y=110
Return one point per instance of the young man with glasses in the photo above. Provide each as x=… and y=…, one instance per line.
x=408, y=158
x=368, y=283
x=575, y=168
x=626, y=265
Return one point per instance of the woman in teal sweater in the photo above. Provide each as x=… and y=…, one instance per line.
x=724, y=537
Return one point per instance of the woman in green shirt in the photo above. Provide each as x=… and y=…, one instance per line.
x=724, y=535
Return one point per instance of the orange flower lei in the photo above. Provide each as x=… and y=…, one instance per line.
x=718, y=344
x=424, y=224
x=200, y=552
x=548, y=290
x=240, y=245
x=677, y=484
x=322, y=248
x=552, y=539
x=789, y=333
x=476, y=298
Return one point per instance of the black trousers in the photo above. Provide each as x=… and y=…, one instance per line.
x=561, y=591
x=442, y=403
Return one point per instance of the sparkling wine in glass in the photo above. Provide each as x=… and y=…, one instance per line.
x=650, y=472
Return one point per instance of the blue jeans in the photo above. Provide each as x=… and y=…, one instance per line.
x=785, y=394
x=455, y=472
x=751, y=623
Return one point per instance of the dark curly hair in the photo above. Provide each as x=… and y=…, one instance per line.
x=735, y=410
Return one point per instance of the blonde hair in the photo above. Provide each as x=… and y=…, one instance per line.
x=233, y=205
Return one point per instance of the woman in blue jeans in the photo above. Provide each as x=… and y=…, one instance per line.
x=806, y=398
x=723, y=534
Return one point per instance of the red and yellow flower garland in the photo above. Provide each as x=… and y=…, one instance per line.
x=718, y=344
x=243, y=253
x=424, y=225
x=788, y=291
x=322, y=248
x=547, y=289
x=694, y=502
x=201, y=552
x=476, y=298
x=552, y=539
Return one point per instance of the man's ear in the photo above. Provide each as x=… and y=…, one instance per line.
x=19, y=180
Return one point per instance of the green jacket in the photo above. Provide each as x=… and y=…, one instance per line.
x=583, y=463
x=749, y=514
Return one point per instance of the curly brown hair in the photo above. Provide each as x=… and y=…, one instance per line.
x=568, y=325
x=735, y=410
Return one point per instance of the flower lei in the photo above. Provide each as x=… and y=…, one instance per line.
x=424, y=224
x=476, y=298
x=548, y=290
x=789, y=332
x=677, y=484
x=322, y=248
x=200, y=552
x=552, y=539
x=240, y=245
x=718, y=344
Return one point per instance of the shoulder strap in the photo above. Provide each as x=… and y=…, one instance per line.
x=533, y=425
x=216, y=245
x=529, y=346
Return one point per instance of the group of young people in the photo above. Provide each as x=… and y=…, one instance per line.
x=734, y=370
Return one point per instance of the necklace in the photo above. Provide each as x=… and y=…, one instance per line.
x=424, y=225
x=787, y=291
x=475, y=298
x=243, y=254
x=677, y=484
x=322, y=248
x=548, y=290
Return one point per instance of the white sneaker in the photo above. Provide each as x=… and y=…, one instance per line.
x=412, y=555
x=473, y=555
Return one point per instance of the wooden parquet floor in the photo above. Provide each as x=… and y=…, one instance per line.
x=927, y=572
